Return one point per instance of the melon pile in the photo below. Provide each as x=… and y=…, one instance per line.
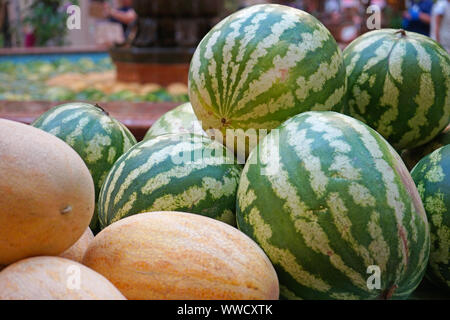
x=280, y=179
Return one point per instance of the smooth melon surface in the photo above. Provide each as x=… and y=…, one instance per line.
x=173, y=255
x=54, y=278
x=76, y=252
x=47, y=193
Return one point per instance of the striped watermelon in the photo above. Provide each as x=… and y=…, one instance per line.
x=412, y=156
x=328, y=202
x=399, y=84
x=98, y=138
x=182, y=119
x=172, y=172
x=432, y=177
x=261, y=66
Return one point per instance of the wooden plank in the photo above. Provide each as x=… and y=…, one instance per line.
x=137, y=116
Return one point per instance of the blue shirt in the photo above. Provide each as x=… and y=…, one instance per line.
x=425, y=6
x=122, y=9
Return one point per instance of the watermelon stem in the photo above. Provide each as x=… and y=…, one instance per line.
x=103, y=110
x=387, y=294
x=402, y=32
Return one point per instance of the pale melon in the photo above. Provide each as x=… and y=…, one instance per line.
x=47, y=193
x=181, y=256
x=54, y=278
x=76, y=252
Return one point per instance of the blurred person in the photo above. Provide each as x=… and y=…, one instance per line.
x=124, y=14
x=351, y=11
x=418, y=17
x=441, y=23
x=333, y=10
x=332, y=6
x=380, y=3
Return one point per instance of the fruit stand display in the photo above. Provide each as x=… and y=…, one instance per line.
x=161, y=46
x=280, y=178
x=84, y=79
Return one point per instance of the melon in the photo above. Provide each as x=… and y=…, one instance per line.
x=172, y=172
x=432, y=177
x=54, y=278
x=181, y=256
x=331, y=203
x=413, y=156
x=47, y=193
x=399, y=84
x=98, y=138
x=76, y=252
x=260, y=66
x=182, y=119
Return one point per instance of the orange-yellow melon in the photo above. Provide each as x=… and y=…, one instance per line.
x=54, y=278
x=173, y=255
x=76, y=252
x=47, y=193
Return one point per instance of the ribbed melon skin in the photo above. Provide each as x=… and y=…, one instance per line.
x=182, y=119
x=150, y=177
x=340, y=200
x=98, y=138
x=399, y=84
x=432, y=177
x=262, y=65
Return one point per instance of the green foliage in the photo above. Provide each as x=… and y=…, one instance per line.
x=48, y=20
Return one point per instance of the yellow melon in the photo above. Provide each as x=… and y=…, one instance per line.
x=76, y=252
x=54, y=278
x=47, y=193
x=173, y=255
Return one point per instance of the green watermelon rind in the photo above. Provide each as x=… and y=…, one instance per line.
x=432, y=177
x=149, y=178
x=341, y=201
x=399, y=84
x=98, y=138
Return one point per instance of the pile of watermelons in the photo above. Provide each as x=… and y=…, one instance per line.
x=280, y=179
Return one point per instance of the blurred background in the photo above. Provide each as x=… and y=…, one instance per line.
x=139, y=51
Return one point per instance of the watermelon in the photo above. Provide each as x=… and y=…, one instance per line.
x=432, y=177
x=172, y=172
x=330, y=201
x=260, y=66
x=98, y=138
x=182, y=119
x=399, y=84
x=413, y=156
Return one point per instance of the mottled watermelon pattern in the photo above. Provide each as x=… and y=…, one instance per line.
x=432, y=177
x=337, y=200
x=98, y=138
x=399, y=84
x=413, y=156
x=263, y=65
x=182, y=119
x=172, y=172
